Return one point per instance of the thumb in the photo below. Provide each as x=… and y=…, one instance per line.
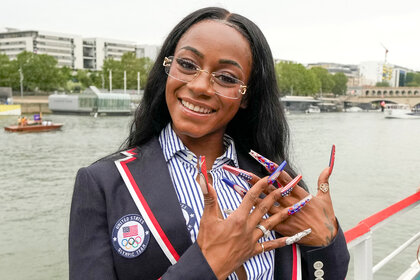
x=209, y=193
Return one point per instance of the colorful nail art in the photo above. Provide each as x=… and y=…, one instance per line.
x=298, y=236
x=239, y=189
x=332, y=159
x=286, y=190
x=268, y=164
x=276, y=173
x=296, y=207
x=202, y=171
x=238, y=172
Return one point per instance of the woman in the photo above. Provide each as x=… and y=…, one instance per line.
x=147, y=213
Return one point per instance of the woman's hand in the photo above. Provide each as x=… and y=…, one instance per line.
x=318, y=213
x=228, y=243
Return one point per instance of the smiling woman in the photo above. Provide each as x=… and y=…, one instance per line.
x=153, y=210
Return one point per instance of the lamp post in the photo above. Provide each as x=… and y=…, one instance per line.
x=21, y=82
x=110, y=80
x=138, y=83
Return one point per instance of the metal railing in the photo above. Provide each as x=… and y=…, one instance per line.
x=359, y=238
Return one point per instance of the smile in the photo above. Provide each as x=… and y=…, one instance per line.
x=195, y=108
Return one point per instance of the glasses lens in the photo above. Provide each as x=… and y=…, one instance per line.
x=185, y=70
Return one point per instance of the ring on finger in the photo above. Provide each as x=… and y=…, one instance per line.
x=324, y=187
x=265, y=231
x=262, y=246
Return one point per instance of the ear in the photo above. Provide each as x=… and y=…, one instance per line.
x=244, y=103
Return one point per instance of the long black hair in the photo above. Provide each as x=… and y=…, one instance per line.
x=261, y=126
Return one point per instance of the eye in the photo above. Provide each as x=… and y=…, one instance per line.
x=186, y=65
x=226, y=79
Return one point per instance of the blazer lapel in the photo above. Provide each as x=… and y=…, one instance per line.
x=150, y=172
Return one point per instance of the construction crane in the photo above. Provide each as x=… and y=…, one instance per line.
x=386, y=52
x=386, y=70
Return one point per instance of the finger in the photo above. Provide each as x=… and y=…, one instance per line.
x=252, y=196
x=323, y=184
x=247, y=176
x=209, y=193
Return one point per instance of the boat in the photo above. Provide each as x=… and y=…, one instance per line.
x=312, y=109
x=401, y=111
x=44, y=126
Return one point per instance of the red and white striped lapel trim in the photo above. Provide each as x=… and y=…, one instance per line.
x=297, y=264
x=144, y=208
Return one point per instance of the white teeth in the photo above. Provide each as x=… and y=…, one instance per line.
x=197, y=109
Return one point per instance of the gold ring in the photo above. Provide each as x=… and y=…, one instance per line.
x=262, y=246
x=324, y=187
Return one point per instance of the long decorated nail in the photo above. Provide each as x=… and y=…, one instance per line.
x=238, y=172
x=239, y=189
x=202, y=172
x=286, y=190
x=268, y=164
x=296, y=207
x=276, y=173
x=298, y=236
x=332, y=159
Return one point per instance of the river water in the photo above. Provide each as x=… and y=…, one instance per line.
x=377, y=164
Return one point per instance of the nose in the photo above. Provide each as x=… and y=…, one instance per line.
x=202, y=83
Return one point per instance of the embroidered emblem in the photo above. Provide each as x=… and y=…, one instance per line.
x=130, y=236
x=189, y=216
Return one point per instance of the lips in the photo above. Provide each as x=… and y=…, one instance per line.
x=196, y=108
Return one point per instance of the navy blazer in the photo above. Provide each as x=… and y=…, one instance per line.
x=101, y=198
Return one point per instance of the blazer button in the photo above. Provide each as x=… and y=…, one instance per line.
x=319, y=273
x=318, y=265
x=319, y=278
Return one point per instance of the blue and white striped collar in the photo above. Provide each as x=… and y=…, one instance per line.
x=171, y=145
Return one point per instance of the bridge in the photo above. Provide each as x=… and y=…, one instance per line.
x=406, y=95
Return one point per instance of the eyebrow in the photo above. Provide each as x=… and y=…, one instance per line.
x=221, y=61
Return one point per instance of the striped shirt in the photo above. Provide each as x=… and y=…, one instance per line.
x=182, y=165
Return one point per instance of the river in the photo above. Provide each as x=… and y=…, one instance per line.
x=377, y=164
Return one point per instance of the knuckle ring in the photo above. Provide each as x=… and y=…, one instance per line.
x=265, y=231
x=262, y=246
x=324, y=187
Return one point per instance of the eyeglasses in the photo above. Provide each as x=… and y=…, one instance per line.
x=185, y=71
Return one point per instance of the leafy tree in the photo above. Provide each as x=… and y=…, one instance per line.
x=5, y=65
x=340, y=84
x=324, y=77
x=294, y=79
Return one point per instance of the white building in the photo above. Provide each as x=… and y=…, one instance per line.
x=372, y=72
x=71, y=50
x=66, y=48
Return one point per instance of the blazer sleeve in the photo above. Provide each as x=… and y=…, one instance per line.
x=90, y=253
x=329, y=262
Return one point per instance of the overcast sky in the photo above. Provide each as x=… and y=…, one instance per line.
x=304, y=31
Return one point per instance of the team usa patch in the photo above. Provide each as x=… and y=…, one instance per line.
x=130, y=236
x=189, y=216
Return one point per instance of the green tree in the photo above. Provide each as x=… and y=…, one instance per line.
x=295, y=79
x=382, y=84
x=324, y=77
x=340, y=84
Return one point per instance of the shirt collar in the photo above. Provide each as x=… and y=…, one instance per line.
x=171, y=144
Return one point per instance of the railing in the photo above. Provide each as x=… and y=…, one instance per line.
x=359, y=238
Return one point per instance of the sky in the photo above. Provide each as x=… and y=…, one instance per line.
x=304, y=31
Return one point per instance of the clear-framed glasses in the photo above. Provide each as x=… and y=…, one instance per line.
x=222, y=83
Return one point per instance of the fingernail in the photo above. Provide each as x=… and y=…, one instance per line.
x=240, y=190
x=276, y=173
x=332, y=159
x=286, y=190
x=238, y=172
x=202, y=171
x=296, y=207
x=298, y=236
x=268, y=164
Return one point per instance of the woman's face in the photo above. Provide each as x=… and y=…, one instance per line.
x=196, y=110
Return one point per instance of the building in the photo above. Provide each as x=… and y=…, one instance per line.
x=71, y=50
x=350, y=70
x=372, y=72
x=66, y=48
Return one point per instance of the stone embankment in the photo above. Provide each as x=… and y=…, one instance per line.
x=32, y=104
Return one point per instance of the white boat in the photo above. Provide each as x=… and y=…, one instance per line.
x=312, y=109
x=400, y=111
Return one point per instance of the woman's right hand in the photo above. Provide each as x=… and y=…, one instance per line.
x=228, y=243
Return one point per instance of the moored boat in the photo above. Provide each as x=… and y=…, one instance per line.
x=400, y=111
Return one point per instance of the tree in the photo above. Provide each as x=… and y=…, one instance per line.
x=5, y=69
x=294, y=79
x=340, y=84
x=382, y=84
x=324, y=77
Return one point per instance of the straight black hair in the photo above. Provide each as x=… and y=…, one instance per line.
x=261, y=126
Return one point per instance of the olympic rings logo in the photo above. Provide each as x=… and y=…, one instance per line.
x=131, y=243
